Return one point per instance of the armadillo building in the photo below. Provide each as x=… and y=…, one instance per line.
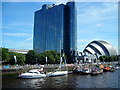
x=100, y=48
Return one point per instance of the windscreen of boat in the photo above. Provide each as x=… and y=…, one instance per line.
x=85, y=69
x=42, y=72
x=36, y=72
x=31, y=72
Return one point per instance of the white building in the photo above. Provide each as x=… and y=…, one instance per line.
x=23, y=51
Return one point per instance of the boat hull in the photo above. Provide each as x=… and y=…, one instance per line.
x=77, y=72
x=34, y=73
x=116, y=68
x=105, y=70
x=57, y=73
x=84, y=73
x=31, y=76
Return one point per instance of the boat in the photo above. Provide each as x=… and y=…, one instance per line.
x=95, y=71
x=34, y=73
x=112, y=70
x=86, y=71
x=116, y=67
x=57, y=73
x=77, y=70
x=106, y=69
x=101, y=71
x=101, y=66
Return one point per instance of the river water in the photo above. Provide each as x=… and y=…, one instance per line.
x=104, y=80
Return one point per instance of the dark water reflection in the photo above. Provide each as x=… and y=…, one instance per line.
x=105, y=80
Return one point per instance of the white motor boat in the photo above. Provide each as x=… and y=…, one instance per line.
x=116, y=68
x=34, y=73
x=57, y=73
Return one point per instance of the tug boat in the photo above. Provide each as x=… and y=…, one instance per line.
x=34, y=73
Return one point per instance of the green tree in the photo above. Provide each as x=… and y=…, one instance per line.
x=101, y=58
x=108, y=58
x=8, y=57
x=20, y=59
x=53, y=57
x=31, y=57
x=5, y=55
x=41, y=58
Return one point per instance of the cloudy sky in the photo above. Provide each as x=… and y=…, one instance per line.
x=95, y=21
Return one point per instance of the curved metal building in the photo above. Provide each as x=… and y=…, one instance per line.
x=99, y=48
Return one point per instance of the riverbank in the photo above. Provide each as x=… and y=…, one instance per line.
x=47, y=68
x=21, y=69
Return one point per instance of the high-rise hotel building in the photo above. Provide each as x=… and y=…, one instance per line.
x=55, y=29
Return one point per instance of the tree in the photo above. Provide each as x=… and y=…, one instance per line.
x=31, y=57
x=8, y=57
x=41, y=58
x=5, y=55
x=20, y=59
x=101, y=58
x=53, y=57
x=108, y=58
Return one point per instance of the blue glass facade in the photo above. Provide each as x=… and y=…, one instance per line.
x=55, y=27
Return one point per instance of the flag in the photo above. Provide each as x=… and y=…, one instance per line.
x=15, y=59
x=46, y=60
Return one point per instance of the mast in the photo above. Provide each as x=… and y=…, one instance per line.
x=60, y=55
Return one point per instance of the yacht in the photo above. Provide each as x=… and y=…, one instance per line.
x=34, y=73
x=57, y=73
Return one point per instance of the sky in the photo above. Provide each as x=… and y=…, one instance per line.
x=95, y=21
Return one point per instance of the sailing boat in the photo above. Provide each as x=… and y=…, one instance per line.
x=58, y=72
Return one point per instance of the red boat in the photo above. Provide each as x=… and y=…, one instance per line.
x=106, y=69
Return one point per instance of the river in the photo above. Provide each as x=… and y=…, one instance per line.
x=104, y=80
